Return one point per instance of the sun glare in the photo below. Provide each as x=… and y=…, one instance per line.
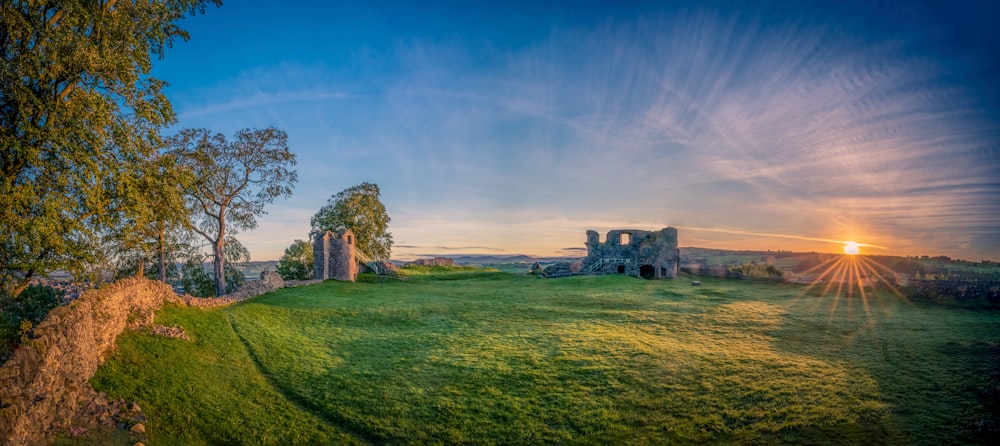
x=850, y=248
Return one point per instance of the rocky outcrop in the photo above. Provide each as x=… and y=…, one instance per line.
x=382, y=267
x=562, y=269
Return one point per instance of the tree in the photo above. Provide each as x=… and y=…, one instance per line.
x=78, y=110
x=359, y=209
x=297, y=263
x=158, y=224
x=197, y=282
x=232, y=182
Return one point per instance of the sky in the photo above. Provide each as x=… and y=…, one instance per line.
x=514, y=127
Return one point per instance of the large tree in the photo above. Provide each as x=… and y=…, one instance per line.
x=78, y=111
x=360, y=209
x=233, y=180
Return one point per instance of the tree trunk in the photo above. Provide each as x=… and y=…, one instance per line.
x=220, y=268
x=24, y=284
x=161, y=250
x=141, y=270
x=220, y=260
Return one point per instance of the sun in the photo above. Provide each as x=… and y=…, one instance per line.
x=850, y=248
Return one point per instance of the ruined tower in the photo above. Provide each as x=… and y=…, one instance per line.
x=333, y=256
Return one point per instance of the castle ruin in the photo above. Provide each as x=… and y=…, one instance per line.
x=334, y=256
x=646, y=254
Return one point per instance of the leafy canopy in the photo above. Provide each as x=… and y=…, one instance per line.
x=297, y=263
x=359, y=209
x=79, y=112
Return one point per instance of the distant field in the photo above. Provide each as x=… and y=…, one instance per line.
x=469, y=356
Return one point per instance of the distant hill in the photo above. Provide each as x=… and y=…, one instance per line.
x=505, y=259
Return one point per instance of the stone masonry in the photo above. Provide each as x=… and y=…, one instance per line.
x=45, y=385
x=334, y=256
x=633, y=252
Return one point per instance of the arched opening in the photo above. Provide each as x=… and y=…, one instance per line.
x=647, y=272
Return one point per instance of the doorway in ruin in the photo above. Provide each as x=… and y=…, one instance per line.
x=647, y=272
x=621, y=269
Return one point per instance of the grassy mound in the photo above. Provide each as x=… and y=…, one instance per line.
x=474, y=356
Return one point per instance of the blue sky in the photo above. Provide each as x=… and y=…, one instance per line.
x=512, y=127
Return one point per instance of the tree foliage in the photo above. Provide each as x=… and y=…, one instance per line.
x=158, y=227
x=754, y=270
x=197, y=282
x=79, y=113
x=297, y=263
x=360, y=209
x=233, y=181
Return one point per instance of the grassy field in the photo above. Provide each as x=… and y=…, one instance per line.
x=471, y=356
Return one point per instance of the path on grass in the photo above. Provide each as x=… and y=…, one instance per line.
x=334, y=422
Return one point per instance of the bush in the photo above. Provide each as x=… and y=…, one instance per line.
x=19, y=314
x=297, y=263
x=197, y=282
x=754, y=270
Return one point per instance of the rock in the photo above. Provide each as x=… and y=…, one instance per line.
x=138, y=428
x=135, y=408
x=272, y=279
x=561, y=269
x=536, y=268
x=695, y=283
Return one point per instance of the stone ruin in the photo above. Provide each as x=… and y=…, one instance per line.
x=334, y=256
x=645, y=254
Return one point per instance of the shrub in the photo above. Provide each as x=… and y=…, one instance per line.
x=754, y=270
x=297, y=263
x=19, y=314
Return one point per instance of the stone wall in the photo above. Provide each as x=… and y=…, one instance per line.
x=45, y=385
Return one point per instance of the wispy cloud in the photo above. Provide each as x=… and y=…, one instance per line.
x=779, y=124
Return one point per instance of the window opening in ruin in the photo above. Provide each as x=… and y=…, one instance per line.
x=625, y=238
x=350, y=240
x=621, y=269
x=663, y=271
x=647, y=272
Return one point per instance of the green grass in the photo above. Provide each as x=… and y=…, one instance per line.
x=471, y=356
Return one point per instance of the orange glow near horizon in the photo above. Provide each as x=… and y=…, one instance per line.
x=850, y=248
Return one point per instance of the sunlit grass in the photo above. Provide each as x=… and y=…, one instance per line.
x=487, y=357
